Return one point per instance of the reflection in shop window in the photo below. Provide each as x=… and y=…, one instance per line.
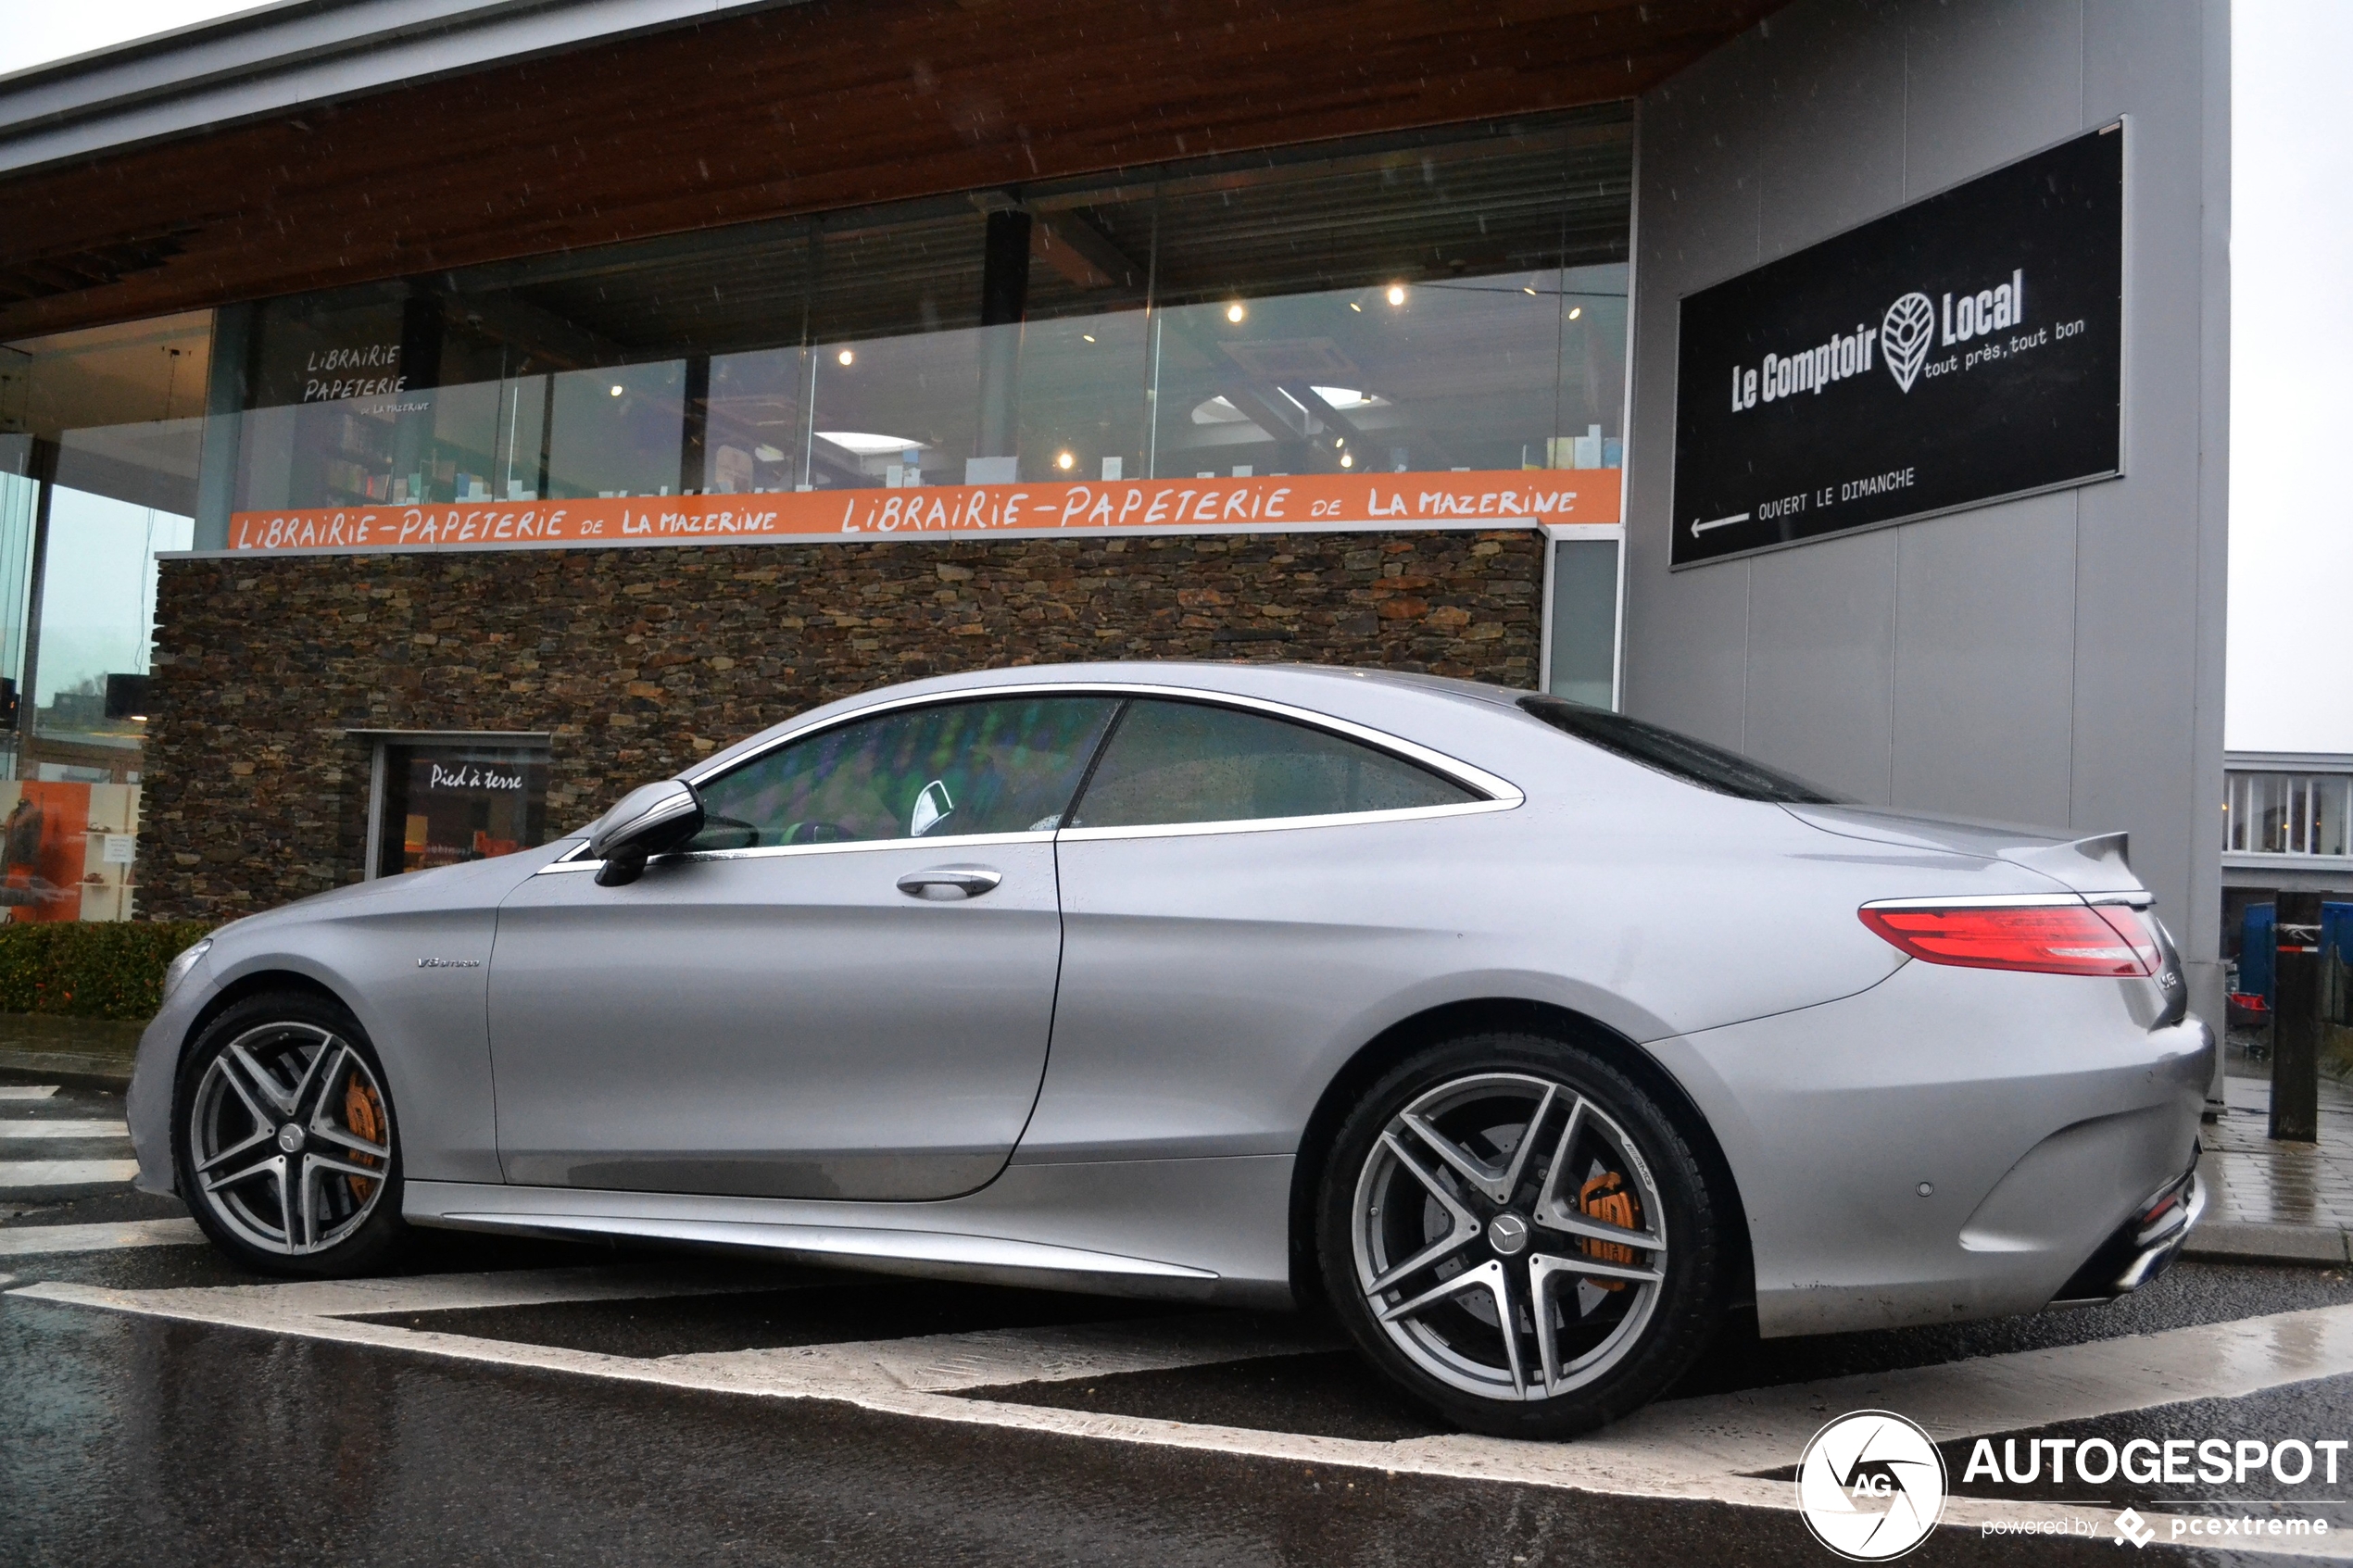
x=445, y=802
x=1455, y=306
x=100, y=433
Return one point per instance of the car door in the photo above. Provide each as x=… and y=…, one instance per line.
x=1236, y=889
x=841, y=989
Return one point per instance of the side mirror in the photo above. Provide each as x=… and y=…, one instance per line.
x=652, y=821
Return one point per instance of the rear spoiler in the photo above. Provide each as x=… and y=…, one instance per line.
x=2099, y=863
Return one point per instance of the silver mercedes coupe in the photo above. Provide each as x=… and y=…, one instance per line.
x=1528, y=1040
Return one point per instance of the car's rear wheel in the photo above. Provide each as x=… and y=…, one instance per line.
x=1520, y=1236
x=285, y=1141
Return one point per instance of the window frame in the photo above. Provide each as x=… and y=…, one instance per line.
x=1500, y=794
x=381, y=743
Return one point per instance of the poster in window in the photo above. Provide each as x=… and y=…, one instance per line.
x=444, y=805
x=44, y=842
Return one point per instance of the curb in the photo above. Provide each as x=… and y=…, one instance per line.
x=2239, y=1241
x=2258, y=1241
x=77, y=1068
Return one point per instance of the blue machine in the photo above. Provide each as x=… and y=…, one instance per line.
x=2256, y=946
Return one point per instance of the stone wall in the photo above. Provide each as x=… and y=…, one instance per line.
x=638, y=661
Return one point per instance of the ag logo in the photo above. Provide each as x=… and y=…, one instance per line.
x=1871, y=1486
x=1905, y=335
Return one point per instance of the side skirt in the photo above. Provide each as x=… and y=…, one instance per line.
x=1196, y=1230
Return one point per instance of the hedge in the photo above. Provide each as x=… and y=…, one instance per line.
x=90, y=969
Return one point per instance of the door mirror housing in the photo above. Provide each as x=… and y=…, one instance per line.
x=652, y=821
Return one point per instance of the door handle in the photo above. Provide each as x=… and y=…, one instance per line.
x=950, y=882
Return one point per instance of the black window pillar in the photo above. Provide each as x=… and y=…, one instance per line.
x=420, y=370
x=227, y=391
x=1004, y=300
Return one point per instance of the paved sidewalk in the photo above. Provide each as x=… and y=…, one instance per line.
x=2278, y=1202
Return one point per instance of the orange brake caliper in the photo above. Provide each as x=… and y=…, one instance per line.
x=1605, y=1199
x=364, y=1114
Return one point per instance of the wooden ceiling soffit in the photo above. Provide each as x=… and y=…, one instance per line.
x=809, y=108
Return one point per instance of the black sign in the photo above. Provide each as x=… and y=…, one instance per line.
x=1963, y=349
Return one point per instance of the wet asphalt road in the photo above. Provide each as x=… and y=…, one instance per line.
x=142, y=1440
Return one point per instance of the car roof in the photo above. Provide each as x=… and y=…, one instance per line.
x=1334, y=689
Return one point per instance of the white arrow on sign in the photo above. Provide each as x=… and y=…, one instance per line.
x=1699, y=528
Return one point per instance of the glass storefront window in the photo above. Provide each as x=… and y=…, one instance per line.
x=100, y=435
x=1583, y=662
x=1458, y=306
x=439, y=801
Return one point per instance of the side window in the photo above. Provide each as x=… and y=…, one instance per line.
x=948, y=772
x=1191, y=763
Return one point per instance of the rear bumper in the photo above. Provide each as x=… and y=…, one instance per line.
x=1951, y=1145
x=2142, y=1247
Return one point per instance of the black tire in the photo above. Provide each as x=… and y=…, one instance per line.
x=1613, y=1341
x=283, y=1103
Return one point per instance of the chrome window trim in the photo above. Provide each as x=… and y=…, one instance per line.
x=1469, y=775
x=1275, y=825
x=767, y=851
x=1502, y=794
x=764, y=851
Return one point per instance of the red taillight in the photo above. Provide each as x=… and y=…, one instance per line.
x=2046, y=939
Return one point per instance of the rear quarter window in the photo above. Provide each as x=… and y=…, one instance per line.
x=1677, y=756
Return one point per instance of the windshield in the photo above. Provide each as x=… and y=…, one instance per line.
x=1691, y=760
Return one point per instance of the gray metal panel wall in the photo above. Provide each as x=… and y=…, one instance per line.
x=2057, y=660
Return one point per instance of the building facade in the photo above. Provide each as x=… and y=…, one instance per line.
x=420, y=428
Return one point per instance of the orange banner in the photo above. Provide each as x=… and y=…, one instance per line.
x=1234, y=506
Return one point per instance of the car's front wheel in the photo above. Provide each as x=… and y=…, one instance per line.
x=1520, y=1236
x=283, y=1138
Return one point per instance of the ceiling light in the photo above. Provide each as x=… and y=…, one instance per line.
x=1358, y=309
x=1396, y=293
x=1088, y=336
x=1234, y=312
x=1575, y=311
x=1339, y=440
x=1348, y=459
x=845, y=357
x=1525, y=290
x=867, y=445
x=1065, y=462
x=616, y=391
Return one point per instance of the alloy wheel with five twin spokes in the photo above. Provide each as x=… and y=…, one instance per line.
x=289, y=1138
x=1508, y=1236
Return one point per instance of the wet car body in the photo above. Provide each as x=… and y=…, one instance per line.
x=1122, y=1070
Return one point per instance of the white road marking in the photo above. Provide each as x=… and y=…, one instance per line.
x=939, y=1364
x=27, y=1239
x=19, y=1174
x=20, y=1127
x=26, y=1091
x=1687, y=1449
x=329, y=1299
